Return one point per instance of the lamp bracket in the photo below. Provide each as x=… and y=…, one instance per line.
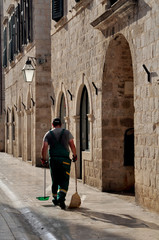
x=95, y=88
x=15, y=107
x=33, y=102
x=52, y=100
x=70, y=94
x=37, y=60
x=148, y=73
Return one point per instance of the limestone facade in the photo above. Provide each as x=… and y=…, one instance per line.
x=102, y=80
x=27, y=105
x=102, y=45
x=1, y=85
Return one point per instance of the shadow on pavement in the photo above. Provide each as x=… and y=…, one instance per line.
x=122, y=220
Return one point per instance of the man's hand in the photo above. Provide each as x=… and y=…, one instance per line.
x=44, y=162
x=74, y=159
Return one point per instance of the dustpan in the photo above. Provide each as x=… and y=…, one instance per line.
x=75, y=199
x=44, y=198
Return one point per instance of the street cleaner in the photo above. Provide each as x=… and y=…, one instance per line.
x=58, y=141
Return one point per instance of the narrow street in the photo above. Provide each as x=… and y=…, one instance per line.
x=12, y=223
x=101, y=216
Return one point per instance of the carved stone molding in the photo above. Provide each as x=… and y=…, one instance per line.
x=90, y=117
x=76, y=118
x=10, y=9
x=5, y=20
x=82, y=4
x=66, y=119
x=116, y=12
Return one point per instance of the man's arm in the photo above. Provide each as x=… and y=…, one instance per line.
x=73, y=149
x=44, y=150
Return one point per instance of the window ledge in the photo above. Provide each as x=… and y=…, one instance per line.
x=82, y=4
x=6, y=69
x=28, y=47
x=57, y=26
x=72, y=13
x=116, y=12
x=19, y=56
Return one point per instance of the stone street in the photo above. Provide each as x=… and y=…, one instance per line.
x=101, y=215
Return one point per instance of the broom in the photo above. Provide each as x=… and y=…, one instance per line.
x=44, y=198
x=75, y=200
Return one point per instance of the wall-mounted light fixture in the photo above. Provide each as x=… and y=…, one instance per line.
x=70, y=94
x=148, y=73
x=52, y=100
x=28, y=71
x=29, y=67
x=95, y=88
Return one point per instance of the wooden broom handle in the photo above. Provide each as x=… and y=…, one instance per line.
x=75, y=177
x=44, y=181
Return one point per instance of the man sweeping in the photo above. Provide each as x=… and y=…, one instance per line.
x=58, y=141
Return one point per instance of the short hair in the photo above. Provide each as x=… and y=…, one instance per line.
x=56, y=122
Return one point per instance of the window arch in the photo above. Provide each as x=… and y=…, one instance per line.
x=63, y=110
x=13, y=126
x=7, y=121
x=84, y=123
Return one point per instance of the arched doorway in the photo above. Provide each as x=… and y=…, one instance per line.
x=29, y=129
x=7, y=132
x=118, y=118
x=19, y=129
x=13, y=131
x=84, y=125
x=63, y=110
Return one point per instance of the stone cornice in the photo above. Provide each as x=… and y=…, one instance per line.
x=117, y=11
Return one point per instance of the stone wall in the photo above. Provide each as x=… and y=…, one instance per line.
x=103, y=49
x=74, y=64
x=29, y=102
x=83, y=48
x=2, y=116
x=146, y=106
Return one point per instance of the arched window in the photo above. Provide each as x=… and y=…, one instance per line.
x=112, y=2
x=63, y=111
x=7, y=121
x=129, y=147
x=84, y=123
x=13, y=126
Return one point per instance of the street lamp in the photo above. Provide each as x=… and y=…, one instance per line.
x=28, y=71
